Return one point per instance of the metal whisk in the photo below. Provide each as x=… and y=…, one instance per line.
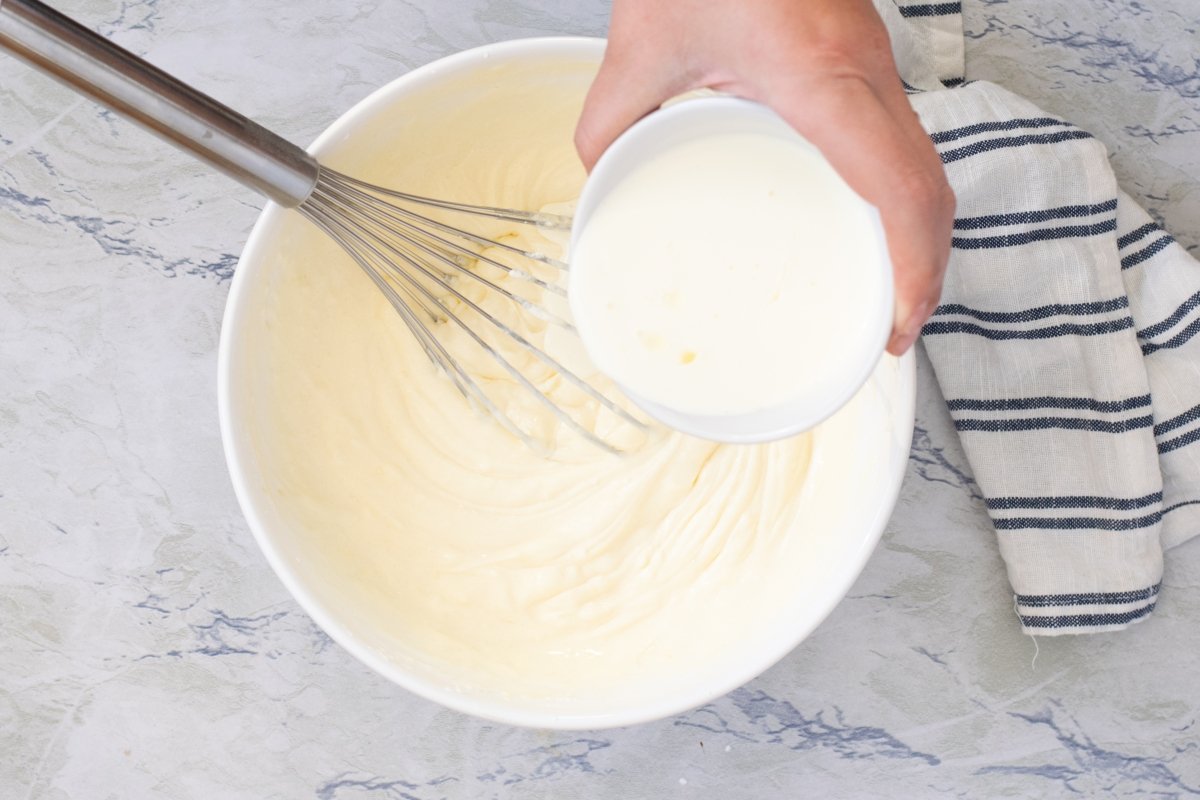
x=419, y=260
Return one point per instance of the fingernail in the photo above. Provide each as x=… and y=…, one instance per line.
x=913, y=324
x=901, y=344
x=917, y=318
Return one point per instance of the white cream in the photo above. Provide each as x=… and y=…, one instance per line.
x=728, y=274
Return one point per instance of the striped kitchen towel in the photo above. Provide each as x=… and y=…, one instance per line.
x=1065, y=344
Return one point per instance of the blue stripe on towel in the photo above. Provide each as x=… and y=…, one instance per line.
x=1178, y=442
x=938, y=327
x=931, y=10
x=1026, y=403
x=1135, y=235
x=1168, y=323
x=1032, y=314
x=976, y=148
x=1077, y=523
x=1076, y=501
x=1047, y=423
x=1088, y=598
x=1038, y=235
x=1179, y=339
x=1030, y=217
x=1085, y=620
x=1191, y=415
x=1141, y=255
x=941, y=137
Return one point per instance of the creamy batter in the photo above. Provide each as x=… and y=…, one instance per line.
x=577, y=583
x=729, y=274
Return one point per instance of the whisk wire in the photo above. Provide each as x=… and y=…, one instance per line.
x=382, y=244
x=539, y=218
x=434, y=349
x=335, y=181
x=436, y=248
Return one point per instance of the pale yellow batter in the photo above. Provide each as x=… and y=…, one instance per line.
x=575, y=583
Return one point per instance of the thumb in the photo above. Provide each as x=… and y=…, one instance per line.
x=621, y=94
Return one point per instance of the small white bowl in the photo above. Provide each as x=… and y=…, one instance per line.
x=859, y=346
x=863, y=498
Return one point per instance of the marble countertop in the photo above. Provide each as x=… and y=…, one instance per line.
x=146, y=649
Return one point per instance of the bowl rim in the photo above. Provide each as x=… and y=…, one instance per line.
x=236, y=451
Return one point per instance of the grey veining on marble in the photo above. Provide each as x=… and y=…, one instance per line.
x=146, y=649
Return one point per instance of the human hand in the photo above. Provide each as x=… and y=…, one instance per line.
x=826, y=67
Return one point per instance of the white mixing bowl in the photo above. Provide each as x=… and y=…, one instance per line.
x=861, y=499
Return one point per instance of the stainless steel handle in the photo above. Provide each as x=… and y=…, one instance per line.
x=116, y=78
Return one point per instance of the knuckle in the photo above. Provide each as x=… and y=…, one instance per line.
x=928, y=188
x=858, y=51
x=837, y=60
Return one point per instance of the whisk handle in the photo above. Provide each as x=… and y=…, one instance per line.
x=116, y=78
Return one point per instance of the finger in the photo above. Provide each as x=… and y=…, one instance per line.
x=621, y=94
x=890, y=167
x=891, y=93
